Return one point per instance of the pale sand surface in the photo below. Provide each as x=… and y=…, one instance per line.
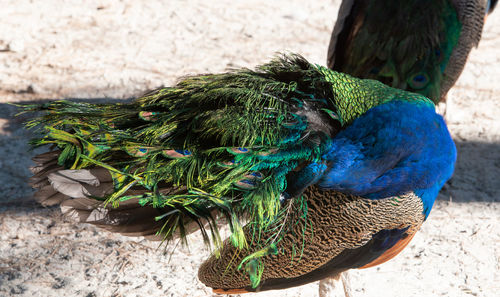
x=109, y=49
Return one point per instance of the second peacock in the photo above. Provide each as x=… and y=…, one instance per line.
x=416, y=45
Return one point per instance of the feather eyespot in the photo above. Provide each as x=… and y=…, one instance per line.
x=176, y=153
x=250, y=180
x=256, y=175
x=239, y=150
x=246, y=184
x=137, y=151
x=418, y=81
x=229, y=163
x=268, y=152
x=148, y=115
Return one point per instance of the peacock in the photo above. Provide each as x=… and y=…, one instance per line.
x=415, y=45
x=314, y=171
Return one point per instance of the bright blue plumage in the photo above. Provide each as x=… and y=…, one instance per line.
x=394, y=148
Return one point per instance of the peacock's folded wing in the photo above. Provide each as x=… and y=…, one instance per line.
x=338, y=232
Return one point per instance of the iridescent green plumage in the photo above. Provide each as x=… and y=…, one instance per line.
x=213, y=144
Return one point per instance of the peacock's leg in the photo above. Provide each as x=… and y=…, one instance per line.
x=335, y=286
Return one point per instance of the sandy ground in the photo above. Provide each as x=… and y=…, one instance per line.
x=98, y=49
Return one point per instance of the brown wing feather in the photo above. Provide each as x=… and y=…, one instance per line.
x=73, y=189
x=338, y=237
x=130, y=218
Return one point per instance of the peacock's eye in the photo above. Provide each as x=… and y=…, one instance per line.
x=418, y=81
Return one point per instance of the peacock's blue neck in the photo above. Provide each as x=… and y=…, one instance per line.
x=392, y=149
x=428, y=196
